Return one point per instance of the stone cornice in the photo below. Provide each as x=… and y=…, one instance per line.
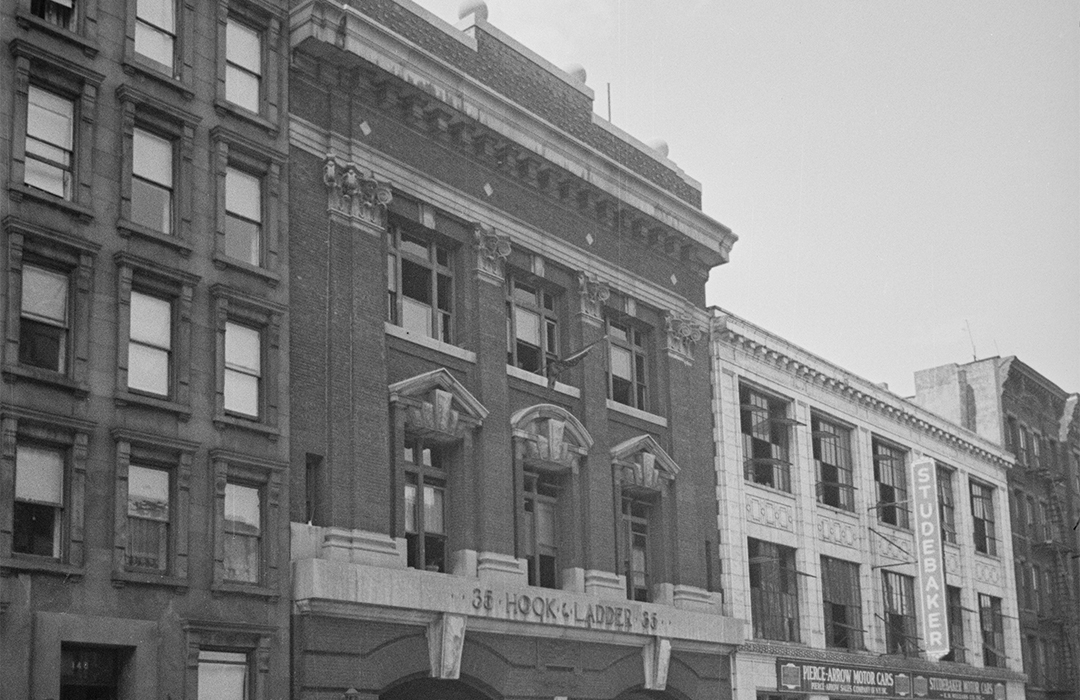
x=767, y=348
x=439, y=99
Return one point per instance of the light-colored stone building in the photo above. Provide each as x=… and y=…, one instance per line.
x=814, y=483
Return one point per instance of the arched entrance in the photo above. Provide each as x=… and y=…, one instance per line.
x=434, y=689
x=642, y=694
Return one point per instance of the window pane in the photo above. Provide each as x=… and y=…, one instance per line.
x=241, y=393
x=51, y=179
x=414, y=245
x=433, y=510
x=42, y=345
x=151, y=206
x=152, y=158
x=242, y=348
x=36, y=529
x=242, y=240
x=620, y=363
x=410, y=508
x=415, y=316
x=243, y=47
x=50, y=118
x=527, y=326
x=148, y=369
x=242, y=509
x=148, y=493
x=242, y=88
x=243, y=194
x=524, y=295
x=225, y=680
x=157, y=12
x=151, y=320
x=39, y=475
x=416, y=281
x=154, y=44
x=45, y=294
x=545, y=524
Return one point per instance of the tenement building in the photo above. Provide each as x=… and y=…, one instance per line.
x=866, y=539
x=502, y=467
x=144, y=416
x=1009, y=403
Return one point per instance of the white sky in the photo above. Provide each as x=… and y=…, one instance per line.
x=896, y=171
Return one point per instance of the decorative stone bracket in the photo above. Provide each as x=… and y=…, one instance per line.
x=656, y=655
x=446, y=640
x=593, y=295
x=492, y=249
x=683, y=333
x=351, y=193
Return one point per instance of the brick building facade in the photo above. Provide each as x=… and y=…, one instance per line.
x=473, y=517
x=1009, y=403
x=145, y=414
x=819, y=541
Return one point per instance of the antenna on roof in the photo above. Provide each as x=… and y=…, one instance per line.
x=609, y=102
x=974, y=355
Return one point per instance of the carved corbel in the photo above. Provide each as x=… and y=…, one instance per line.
x=492, y=248
x=352, y=193
x=593, y=294
x=683, y=333
x=656, y=655
x=446, y=640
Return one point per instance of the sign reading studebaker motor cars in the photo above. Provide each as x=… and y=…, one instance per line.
x=801, y=676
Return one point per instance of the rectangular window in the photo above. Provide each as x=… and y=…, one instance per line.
x=57, y=12
x=1020, y=517
x=223, y=675
x=1012, y=435
x=540, y=522
x=982, y=512
x=843, y=603
x=832, y=452
x=766, y=437
x=152, y=181
x=1025, y=457
x=946, y=504
x=50, y=142
x=420, y=285
x=43, y=322
x=636, y=556
x=39, y=501
x=243, y=65
x=150, y=344
x=425, y=506
x=774, y=598
x=243, y=533
x=243, y=216
x=532, y=327
x=243, y=369
x=627, y=365
x=993, y=631
x=954, y=611
x=890, y=473
x=155, y=31
x=148, y=518
x=900, y=635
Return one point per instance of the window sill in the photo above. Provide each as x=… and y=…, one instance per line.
x=124, y=398
x=127, y=228
x=533, y=378
x=83, y=214
x=249, y=589
x=222, y=262
x=29, y=21
x=637, y=413
x=228, y=421
x=122, y=578
x=41, y=565
x=150, y=70
x=430, y=343
x=44, y=376
x=224, y=107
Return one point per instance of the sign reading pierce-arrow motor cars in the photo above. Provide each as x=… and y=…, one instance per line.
x=933, y=619
x=842, y=680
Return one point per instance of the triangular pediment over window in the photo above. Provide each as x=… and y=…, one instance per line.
x=437, y=406
x=550, y=437
x=644, y=464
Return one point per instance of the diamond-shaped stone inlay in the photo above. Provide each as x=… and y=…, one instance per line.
x=674, y=279
x=365, y=128
x=488, y=189
x=588, y=238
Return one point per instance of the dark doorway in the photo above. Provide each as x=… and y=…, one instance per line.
x=424, y=688
x=89, y=673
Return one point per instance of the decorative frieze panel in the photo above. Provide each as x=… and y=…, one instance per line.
x=492, y=248
x=550, y=437
x=355, y=193
x=952, y=562
x=988, y=572
x=593, y=294
x=437, y=406
x=683, y=333
x=643, y=463
x=836, y=532
x=770, y=513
